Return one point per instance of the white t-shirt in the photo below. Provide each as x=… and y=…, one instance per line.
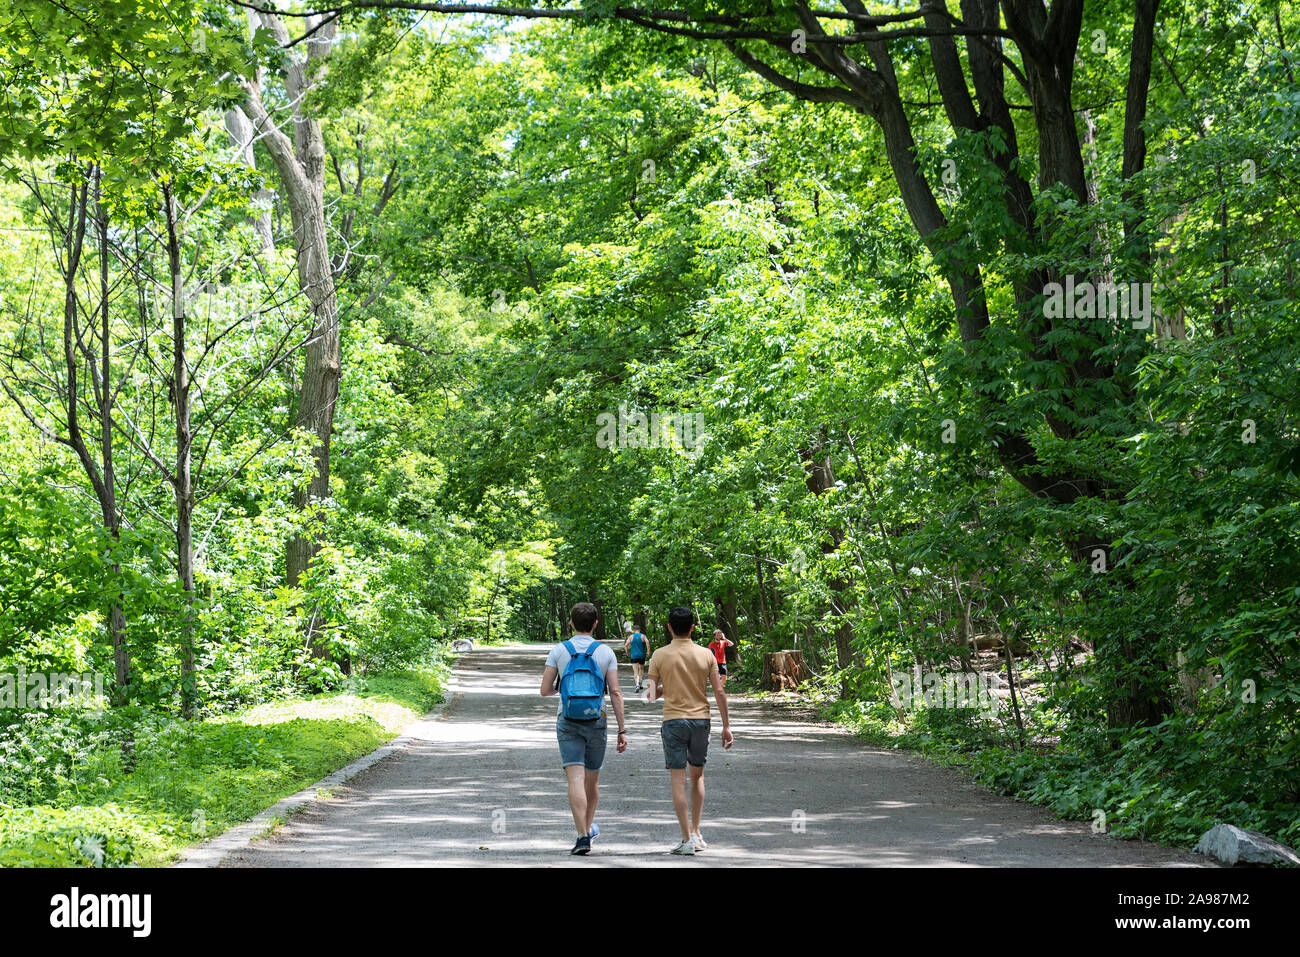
x=559, y=657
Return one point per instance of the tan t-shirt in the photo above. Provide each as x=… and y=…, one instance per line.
x=683, y=668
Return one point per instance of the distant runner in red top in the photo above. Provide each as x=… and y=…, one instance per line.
x=719, y=646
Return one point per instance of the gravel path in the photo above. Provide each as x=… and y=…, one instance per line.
x=480, y=785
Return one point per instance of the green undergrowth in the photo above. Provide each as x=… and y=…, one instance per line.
x=66, y=799
x=1169, y=783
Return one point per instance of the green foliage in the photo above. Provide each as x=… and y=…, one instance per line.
x=67, y=800
x=786, y=296
x=541, y=227
x=1168, y=783
x=106, y=836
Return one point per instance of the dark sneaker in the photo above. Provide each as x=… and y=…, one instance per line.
x=583, y=846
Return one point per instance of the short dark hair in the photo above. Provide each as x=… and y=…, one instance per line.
x=680, y=620
x=583, y=615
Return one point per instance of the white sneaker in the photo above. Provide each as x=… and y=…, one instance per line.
x=698, y=842
x=685, y=847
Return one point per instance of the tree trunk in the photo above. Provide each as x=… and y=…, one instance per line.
x=104, y=394
x=101, y=476
x=764, y=620
x=301, y=165
x=820, y=478
x=241, y=132
x=1142, y=698
x=491, y=607
x=726, y=614
x=783, y=671
x=599, y=631
x=182, y=482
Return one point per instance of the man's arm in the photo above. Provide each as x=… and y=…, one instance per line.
x=652, y=685
x=548, y=681
x=720, y=697
x=616, y=702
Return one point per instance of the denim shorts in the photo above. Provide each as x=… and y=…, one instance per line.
x=582, y=742
x=686, y=740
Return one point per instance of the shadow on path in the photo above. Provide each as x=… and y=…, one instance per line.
x=481, y=785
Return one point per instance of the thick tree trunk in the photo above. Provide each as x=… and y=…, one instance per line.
x=320, y=381
x=1135, y=114
x=783, y=671
x=1139, y=693
x=1047, y=38
x=301, y=165
x=1135, y=702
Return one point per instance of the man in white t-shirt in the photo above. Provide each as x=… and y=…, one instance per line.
x=582, y=743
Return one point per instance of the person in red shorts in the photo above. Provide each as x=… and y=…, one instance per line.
x=719, y=646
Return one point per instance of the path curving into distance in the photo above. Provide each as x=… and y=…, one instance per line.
x=480, y=785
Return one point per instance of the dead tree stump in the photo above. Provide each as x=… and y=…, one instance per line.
x=783, y=671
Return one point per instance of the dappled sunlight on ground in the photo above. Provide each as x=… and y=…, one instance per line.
x=481, y=785
x=391, y=716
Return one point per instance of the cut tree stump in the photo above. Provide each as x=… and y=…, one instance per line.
x=783, y=671
x=995, y=643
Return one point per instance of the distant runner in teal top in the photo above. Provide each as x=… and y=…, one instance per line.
x=636, y=647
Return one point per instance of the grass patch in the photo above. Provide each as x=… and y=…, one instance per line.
x=195, y=780
x=390, y=699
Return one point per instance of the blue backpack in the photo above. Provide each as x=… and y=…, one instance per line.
x=582, y=686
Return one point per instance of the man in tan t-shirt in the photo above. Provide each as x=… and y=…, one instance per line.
x=681, y=669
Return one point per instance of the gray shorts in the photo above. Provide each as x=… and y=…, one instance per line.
x=582, y=742
x=686, y=741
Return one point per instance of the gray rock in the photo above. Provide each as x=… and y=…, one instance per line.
x=462, y=644
x=1235, y=845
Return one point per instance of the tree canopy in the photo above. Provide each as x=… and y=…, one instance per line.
x=923, y=339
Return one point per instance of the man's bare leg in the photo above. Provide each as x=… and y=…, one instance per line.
x=578, y=797
x=592, y=796
x=679, y=799
x=697, y=797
